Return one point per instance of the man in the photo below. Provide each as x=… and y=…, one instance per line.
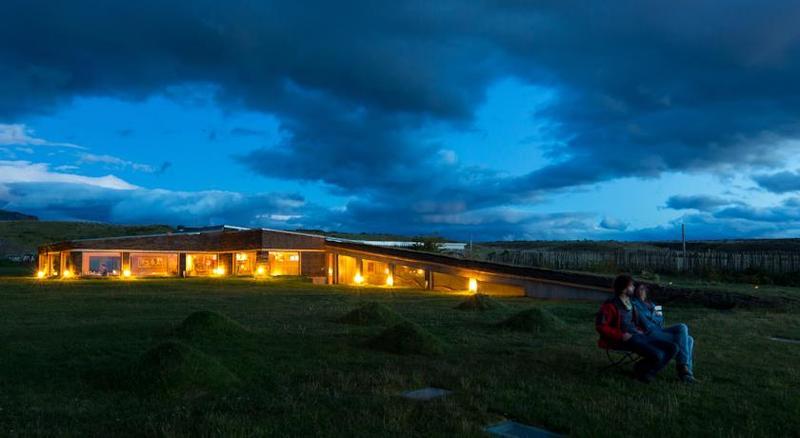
x=617, y=324
x=651, y=319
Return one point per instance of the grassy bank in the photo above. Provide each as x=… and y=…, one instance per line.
x=79, y=358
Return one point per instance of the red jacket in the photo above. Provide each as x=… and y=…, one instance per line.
x=609, y=324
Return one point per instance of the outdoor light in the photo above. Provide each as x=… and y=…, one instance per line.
x=358, y=279
x=126, y=273
x=473, y=285
x=390, y=281
x=67, y=273
x=40, y=274
x=219, y=270
x=260, y=270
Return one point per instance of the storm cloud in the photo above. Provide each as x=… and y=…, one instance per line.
x=641, y=88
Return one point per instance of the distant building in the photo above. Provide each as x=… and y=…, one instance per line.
x=244, y=252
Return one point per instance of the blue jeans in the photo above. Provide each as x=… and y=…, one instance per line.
x=655, y=353
x=679, y=334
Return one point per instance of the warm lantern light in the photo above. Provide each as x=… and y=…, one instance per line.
x=260, y=270
x=473, y=285
x=358, y=279
x=126, y=273
x=219, y=270
x=67, y=273
x=40, y=274
x=390, y=281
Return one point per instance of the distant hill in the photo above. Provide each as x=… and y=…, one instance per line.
x=6, y=215
x=23, y=237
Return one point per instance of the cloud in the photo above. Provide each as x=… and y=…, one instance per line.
x=639, y=88
x=12, y=172
x=32, y=187
x=248, y=132
x=21, y=135
x=117, y=162
x=696, y=202
x=781, y=182
x=609, y=223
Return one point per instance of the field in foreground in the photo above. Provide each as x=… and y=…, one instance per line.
x=116, y=358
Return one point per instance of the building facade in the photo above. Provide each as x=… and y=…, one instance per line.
x=242, y=252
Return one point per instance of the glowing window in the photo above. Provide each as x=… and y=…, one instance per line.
x=284, y=263
x=154, y=264
x=101, y=264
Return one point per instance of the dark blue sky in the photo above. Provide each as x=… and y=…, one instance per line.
x=496, y=120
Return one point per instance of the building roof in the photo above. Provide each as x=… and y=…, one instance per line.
x=214, y=239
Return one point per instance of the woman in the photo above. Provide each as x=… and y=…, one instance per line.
x=652, y=320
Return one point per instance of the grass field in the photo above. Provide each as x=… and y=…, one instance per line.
x=97, y=357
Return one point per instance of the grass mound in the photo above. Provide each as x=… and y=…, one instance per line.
x=533, y=320
x=371, y=314
x=176, y=369
x=406, y=338
x=479, y=302
x=205, y=325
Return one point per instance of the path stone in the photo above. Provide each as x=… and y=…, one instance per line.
x=428, y=393
x=786, y=340
x=512, y=429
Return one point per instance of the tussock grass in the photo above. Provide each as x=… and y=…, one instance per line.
x=206, y=324
x=406, y=338
x=175, y=369
x=537, y=319
x=371, y=314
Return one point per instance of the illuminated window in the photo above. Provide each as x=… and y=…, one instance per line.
x=200, y=265
x=53, y=263
x=154, y=264
x=409, y=277
x=347, y=269
x=376, y=272
x=284, y=263
x=244, y=263
x=101, y=264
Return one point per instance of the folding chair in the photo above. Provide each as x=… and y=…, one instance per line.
x=618, y=358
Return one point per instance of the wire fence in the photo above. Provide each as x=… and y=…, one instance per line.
x=654, y=260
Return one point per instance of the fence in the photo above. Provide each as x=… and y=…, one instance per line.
x=654, y=260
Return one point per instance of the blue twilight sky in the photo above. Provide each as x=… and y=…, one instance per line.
x=484, y=120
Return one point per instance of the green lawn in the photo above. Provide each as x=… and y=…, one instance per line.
x=70, y=351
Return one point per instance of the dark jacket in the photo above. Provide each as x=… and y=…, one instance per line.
x=609, y=322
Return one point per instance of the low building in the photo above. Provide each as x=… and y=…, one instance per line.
x=246, y=252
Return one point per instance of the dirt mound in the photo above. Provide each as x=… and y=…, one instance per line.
x=210, y=325
x=479, y=302
x=371, y=314
x=533, y=320
x=176, y=369
x=406, y=338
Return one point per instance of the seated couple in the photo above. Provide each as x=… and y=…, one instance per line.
x=630, y=322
